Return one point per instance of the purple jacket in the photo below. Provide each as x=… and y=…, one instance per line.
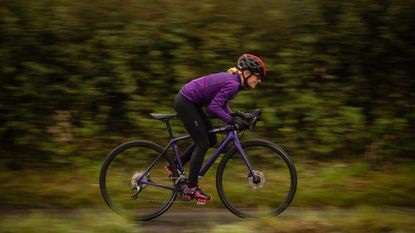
x=214, y=91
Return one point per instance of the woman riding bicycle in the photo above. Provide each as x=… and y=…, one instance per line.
x=213, y=91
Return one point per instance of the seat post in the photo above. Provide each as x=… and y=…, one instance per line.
x=169, y=128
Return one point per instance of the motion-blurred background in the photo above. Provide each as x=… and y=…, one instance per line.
x=78, y=78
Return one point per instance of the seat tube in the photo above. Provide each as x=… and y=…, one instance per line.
x=241, y=151
x=177, y=156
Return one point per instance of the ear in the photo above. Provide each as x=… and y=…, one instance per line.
x=247, y=73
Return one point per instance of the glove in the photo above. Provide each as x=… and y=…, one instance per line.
x=239, y=123
x=244, y=120
x=244, y=115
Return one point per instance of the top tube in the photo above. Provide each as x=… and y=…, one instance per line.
x=222, y=129
x=226, y=128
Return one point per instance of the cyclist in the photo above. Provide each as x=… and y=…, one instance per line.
x=213, y=91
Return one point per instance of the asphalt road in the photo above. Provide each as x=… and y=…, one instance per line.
x=201, y=219
x=188, y=220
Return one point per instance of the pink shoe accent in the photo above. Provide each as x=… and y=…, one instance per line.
x=201, y=202
x=198, y=195
x=194, y=193
x=168, y=170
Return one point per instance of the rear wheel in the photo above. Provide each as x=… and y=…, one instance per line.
x=120, y=183
x=269, y=192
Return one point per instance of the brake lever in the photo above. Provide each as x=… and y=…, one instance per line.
x=253, y=123
x=257, y=114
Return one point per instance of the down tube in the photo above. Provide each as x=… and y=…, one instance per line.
x=231, y=136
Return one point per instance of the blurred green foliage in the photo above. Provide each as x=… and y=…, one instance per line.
x=79, y=77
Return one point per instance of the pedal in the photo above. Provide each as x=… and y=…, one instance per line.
x=186, y=197
x=201, y=202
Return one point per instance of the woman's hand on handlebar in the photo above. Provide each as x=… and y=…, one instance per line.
x=244, y=120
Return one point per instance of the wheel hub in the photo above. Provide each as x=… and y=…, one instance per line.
x=135, y=186
x=257, y=181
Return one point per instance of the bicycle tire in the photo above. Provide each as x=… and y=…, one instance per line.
x=270, y=195
x=113, y=188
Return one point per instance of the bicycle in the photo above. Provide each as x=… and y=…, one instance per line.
x=254, y=177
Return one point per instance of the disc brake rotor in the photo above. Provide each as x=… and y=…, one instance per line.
x=257, y=181
x=134, y=180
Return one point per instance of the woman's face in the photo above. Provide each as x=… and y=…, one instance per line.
x=253, y=80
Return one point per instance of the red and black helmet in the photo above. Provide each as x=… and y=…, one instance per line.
x=253, y=64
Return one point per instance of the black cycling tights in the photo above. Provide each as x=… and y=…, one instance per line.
x=197, y=123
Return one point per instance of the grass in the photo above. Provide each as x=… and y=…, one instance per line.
x=342, y=184
x=354, y=220
x=355, y=183
x=63, y=222
x=361, y=219
x=335, y=196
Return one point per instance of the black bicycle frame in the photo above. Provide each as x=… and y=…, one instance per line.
x=231, y=136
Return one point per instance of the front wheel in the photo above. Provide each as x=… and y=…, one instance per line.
x=269, y=192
